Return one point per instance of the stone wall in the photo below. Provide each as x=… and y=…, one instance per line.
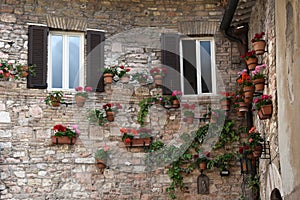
x=33, y=168
x=263, y=19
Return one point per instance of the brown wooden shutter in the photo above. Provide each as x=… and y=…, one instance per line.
x=170, y=58
x=37, y=55
x=95, y=60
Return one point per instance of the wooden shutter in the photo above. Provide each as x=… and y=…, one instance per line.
x=95, y=60
x=37, y=55
x=170, y=60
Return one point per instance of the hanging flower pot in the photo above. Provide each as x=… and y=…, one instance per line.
x=251, y=63
x=202, y=165
x=63, y=140
x=259, y=84
x=124, y=79
x=80, y=100
x=225, y=105
x=110, y=116
x=108, y=78
x=259, y=47
x=243, y=107
x=175, y=103
x=240, y=114
x=257, y=151
x=101, y=164
x=267, y=109
x=258, y=43
x=55, y=103
x=248, y=93
x=158, y=80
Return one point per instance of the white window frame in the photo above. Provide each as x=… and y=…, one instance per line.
x=198, y=65
x=65, y=67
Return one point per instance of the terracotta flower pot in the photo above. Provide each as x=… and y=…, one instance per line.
x=202, y=165
x=101, y=164
x=259, y=84
x=80, y=101
x=243, y=107
x=257, y=151
x=63, y=140
x=108, y=78
x=55, y=103
x=158, y=80
x=225, y=105
x=138, y=142
x=248, y=94
x=124, y=79
x=259, y=47
x=175, y=103
x=240, y=114
x=110, y=116
x=251, y=63
x=265, y=112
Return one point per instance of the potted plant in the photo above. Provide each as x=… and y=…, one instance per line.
x=222, y=163
x=136, y=138
x=264, y=107
x=97, y=116
x=109, y=112
x=54, y=98
x=65, y=135
x=202, y=159
x=6, y=70
x=23, y=71
x=226, y=100
x=250, y=59
x=258, y=78
x=248, y=87
x=81, y=95
x=101, y=156
x=189, y=116
x=108, y=73
x=259, y=43
x=142, y=78
x=255, y=142
x=175, y=98
x=121, y=72
x=158, y=74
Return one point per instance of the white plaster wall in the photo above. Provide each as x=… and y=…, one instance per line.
x=288, y=71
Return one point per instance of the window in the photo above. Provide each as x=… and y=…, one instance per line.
x=65, y=60
x=59, y=58
x=197, y=66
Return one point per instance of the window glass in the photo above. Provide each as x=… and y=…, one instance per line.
x=56, y=47
x=189, y=66
x=197, y=66
x=74, y=52
x=66, y=54
x=205, y=59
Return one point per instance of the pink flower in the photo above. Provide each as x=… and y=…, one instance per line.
x=79, y=88
x=88, y=89
x=106, y=148
x=1, y=71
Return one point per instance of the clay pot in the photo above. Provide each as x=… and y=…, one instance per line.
x=257, y=151
x=124, y=79
x=175, y=103
x=243, y=107
x=80, y=101
x=225, y=105
x=110, y=116
x=158, y=80
x=63, y=140
x=108, y=78
x=251, y=63
x=248, y=94
x=202, y=166
x=259, y=84
x=259, y=47
x=101, y=164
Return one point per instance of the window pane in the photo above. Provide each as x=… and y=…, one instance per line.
x=189, y=66
x=205, y=57
x=74, y=51
x=56, y=47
